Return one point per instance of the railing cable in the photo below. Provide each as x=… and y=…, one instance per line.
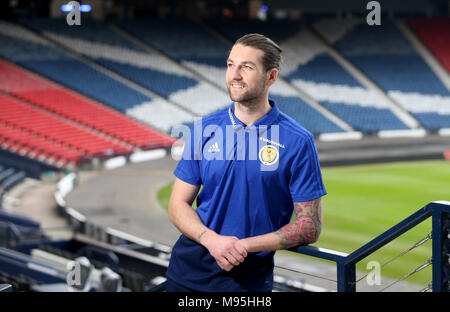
x=420, y=268
x=429, y=287
x=309, y=274
x=419, y=243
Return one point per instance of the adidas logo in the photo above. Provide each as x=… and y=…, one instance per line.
x=214, y=148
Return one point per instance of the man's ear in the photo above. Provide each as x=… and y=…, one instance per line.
x=272, y=75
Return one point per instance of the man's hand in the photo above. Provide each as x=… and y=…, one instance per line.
x=227, y=250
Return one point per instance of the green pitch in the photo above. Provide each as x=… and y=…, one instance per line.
x=364, y=201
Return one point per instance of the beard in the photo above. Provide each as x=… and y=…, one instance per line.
x=250, y=96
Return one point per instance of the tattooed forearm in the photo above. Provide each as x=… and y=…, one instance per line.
x=306, y=227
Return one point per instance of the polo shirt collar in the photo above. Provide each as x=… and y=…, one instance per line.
x=266, y=120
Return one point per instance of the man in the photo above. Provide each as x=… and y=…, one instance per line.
x=253, y=180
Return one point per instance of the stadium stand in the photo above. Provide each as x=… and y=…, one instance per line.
x=67, y=95
x=312, y=70
x=17, y=229
x=38, y=91
x=194, y=49
x=183, y=40
x=20, y=116
x=309, y=67
x=387, y=58
x=28, y=50
x=125, y=57
x=180, y=38
x=286, y=96
x=33, y=146
x=14, y=228
x=434, y=34
x=9, y=177
x=104, y=267
x=33, y=168
x=6, y=288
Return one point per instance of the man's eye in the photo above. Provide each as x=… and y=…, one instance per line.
x=229, y=65
x=247, y=67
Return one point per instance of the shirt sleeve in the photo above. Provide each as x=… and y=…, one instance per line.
x=306, y=178
x=188, y=168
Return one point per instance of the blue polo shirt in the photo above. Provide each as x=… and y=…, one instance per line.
x=251, y=176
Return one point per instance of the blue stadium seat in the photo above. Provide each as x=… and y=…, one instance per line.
x=11, y=181
x=310, y=67
x=32, y=52
x=181, y=39
x=70, y=72
x=388, y=58
x=112, y=50
x=304, y=114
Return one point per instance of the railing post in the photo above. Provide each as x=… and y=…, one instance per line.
x=346, y=277
x=346, y=264
x=441, y=266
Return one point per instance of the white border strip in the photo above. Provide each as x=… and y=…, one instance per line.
x=442, y=202
x=66, y=184
x=129, y=237
x=412, y=133
x=75, y=214
x=339, y=136
x=43, y=269
x=115, y=162
x=60, y=199
x=148, y=155
x=444, y=132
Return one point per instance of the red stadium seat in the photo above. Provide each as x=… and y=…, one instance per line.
x=39, y=123
x=30, y=145
x=434, y=33
x=52, y=97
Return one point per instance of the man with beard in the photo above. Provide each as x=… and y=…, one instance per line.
x=251, y=187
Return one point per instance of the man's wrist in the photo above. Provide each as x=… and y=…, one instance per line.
x=245, y=243
x=199, y=237
x=204, y=237
x=265, y=242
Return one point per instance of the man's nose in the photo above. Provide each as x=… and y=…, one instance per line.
x=236, y=73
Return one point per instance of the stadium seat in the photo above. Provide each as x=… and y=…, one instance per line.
x=110, y=281
x=434, y=34
x=5, y=174
x=6, y=288
x=149, y=69
x=85, y=274
x=21, y=116
x=109, y=48
x=19, y=220
x=11, y=181
x=64, y=102
x=37, y=147
x=30, y=51
x=309, y=67
x=388, y=58
x=193, y=47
